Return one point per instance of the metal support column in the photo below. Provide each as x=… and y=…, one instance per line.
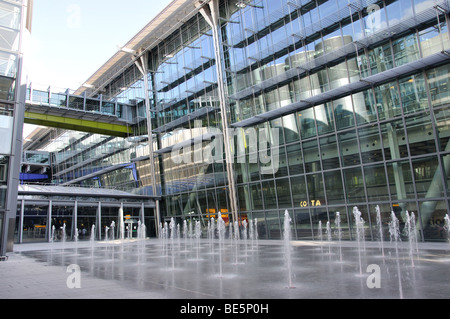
x=210, y=11
x=142, y=65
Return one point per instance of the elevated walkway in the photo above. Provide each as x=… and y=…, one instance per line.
x=80, y=113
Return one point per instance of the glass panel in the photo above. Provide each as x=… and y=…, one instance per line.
x=307, y=123
x=394, y=140
x=283, y=193
x=428, y=179
x=9, y=15
x=319, y=214
x=86, y=217
x=400, y=180
x=281, y=168
x=311, y=156
x=329, y=151
x=244, y=198
x=315, y=190
x=35, y=223
x=62, y=220
x=438, y=80
x=432, y=214
x=432, y=39
x=442, y=119
x=446, y=167
x=420, y=135
x=406, y=49
x=273, y=225
x=295, y=159
x=370, y=144
x=6, y=128
x=343, y=112
x=7, y=86
x=349, y=148
x=333, y=186
x=324, y=118
x=380, y=59
x=414, y=96
x=298, y=187
x=290, y=128
x=354, y=185
x=256, y=196
x=364, y=104
x=388, y=101
x=269, y=194
x=303, y=224
x=376, y=183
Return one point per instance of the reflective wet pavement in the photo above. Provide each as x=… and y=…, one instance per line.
x=242, y=270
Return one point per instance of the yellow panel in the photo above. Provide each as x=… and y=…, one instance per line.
x=78, y=124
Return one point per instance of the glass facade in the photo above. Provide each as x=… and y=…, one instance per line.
x=41, y=218
x=331, y=104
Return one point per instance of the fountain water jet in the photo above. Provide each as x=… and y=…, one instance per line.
x=52, y=235
x=447, y=226
x=287, y=247
x=221, y=230
x=121, y=225
x=411, y=233
x=185, y=234
x=198, y=234
x=63, y=234
x=380, y=228
x=172, y=240
x=92, y=238
x=359, y=233
x=112, y=227
x=339, y=233
x=394, y=231
x=320, y=235
x=329, y=237
x=236, y=238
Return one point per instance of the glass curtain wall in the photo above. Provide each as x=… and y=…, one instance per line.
x=380, y=146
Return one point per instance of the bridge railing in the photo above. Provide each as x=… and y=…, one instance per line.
x=75, y=102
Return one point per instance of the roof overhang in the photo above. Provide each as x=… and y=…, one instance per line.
x=44, y=190
x=166, y=22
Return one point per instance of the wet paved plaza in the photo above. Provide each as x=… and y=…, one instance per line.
x=207, y=269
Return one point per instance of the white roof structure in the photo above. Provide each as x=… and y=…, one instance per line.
x=168, y=20
x=44, y=190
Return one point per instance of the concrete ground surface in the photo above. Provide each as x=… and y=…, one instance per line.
x=227, y=270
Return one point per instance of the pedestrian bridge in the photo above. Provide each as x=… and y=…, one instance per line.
x=80, y=113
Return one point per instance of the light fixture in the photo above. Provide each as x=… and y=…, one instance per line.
x=241, y=4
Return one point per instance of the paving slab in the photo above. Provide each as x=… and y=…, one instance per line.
x=213, y=269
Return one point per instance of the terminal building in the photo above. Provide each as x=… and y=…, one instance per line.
x=248, y=109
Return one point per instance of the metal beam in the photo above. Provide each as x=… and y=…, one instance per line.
x=210, y=11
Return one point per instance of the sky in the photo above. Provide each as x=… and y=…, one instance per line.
x=72, y=39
